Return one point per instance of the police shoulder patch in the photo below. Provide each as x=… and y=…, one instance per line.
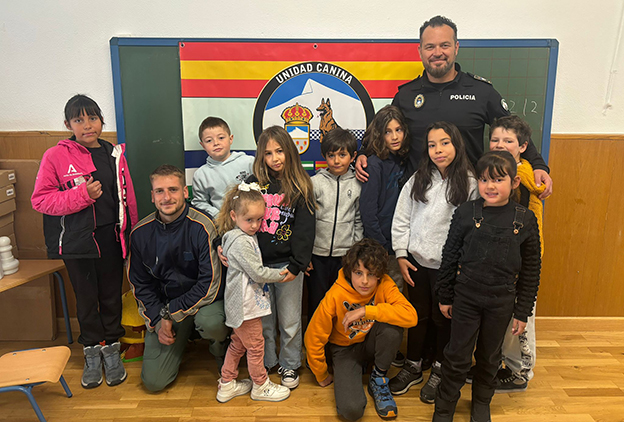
x=479, y=78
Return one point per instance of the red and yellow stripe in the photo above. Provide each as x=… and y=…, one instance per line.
x=242, y=69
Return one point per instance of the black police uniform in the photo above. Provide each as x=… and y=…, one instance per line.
x=468, y=101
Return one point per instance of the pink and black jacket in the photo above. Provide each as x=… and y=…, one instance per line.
x=69, y=213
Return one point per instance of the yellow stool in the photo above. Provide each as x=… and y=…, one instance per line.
x=22, y=370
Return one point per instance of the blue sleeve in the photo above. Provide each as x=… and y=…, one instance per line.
x=369, y=203
x=144, y=286
x=208, y=286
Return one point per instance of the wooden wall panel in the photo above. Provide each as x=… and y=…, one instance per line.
x=32, y=144
x=583, y=220
x=583, y=223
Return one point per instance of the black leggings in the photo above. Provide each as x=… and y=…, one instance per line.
x=97, y=284
x=424, y=299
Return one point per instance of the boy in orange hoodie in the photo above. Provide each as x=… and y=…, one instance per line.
x=361, y=319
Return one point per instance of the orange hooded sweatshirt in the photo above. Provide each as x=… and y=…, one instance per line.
x=384, y=304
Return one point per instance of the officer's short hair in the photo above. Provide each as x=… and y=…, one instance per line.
x=439, y=21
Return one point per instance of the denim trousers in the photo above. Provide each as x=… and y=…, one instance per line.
x=285, y=318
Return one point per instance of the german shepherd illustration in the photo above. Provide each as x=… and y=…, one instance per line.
x=327, y=118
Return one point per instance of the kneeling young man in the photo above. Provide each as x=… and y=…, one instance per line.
x=361, y=319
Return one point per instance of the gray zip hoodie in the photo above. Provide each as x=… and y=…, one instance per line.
x=212, y=180
x=245, y=267
x=338, y=222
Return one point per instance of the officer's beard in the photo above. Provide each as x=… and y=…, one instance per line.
x=439, y=72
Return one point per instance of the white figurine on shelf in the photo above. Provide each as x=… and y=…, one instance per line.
x=8, y=263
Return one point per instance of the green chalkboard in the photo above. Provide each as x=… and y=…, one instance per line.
x=146, y=80
x=152, y=114
x=519, y=74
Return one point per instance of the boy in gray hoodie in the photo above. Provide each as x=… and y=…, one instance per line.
x=338, y=222
x=223, y=167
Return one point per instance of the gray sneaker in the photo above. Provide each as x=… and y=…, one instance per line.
x=115, y=371
x=429, y=391
x=92, y=372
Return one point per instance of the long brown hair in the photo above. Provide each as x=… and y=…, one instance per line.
x=296, y=185
x=374, y=141
x=457, y=173
x=235, y=200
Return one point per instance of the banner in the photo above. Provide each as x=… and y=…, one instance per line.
x=305, y=86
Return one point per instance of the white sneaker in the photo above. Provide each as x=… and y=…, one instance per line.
x=228, y=390
x=290, y=377
x=269, y=391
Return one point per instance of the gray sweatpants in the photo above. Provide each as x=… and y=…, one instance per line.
x=379, y=347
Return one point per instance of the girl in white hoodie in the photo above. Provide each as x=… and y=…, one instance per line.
x=444, y=180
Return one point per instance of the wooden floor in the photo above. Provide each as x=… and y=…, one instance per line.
x=579, y=378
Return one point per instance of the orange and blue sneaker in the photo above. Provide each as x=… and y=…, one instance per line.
x=379, y=390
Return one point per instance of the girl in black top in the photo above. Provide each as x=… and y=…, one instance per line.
x=490, y=272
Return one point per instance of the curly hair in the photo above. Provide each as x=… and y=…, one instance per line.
x=374, y=142
x=372, y=255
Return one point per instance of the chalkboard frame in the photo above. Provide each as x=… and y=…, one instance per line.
x=120, y=42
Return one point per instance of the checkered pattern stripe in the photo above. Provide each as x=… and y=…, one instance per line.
x=315, y=134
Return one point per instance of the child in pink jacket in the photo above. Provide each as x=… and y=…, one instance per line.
x=84, y=190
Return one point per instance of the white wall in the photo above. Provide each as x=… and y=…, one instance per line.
x=50, y=50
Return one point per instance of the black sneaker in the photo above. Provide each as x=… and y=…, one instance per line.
x=508, y=382
x=409, y=375
x=470, y=375
x=429, y=391
x=290, y=377
x=399, y=360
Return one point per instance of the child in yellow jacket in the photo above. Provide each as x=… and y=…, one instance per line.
x=361, y=319
x=511, y=133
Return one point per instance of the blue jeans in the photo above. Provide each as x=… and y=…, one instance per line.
x=286, y=306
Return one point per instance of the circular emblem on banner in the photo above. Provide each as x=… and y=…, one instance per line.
x=419, y=101
x=309, y=99
x=504, y=104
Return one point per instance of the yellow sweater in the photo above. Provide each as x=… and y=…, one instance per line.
x=527, y=179
x=385, y=304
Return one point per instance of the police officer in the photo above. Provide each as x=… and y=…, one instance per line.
x=444, y=92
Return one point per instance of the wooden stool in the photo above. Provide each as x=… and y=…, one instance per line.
x=22, y=370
